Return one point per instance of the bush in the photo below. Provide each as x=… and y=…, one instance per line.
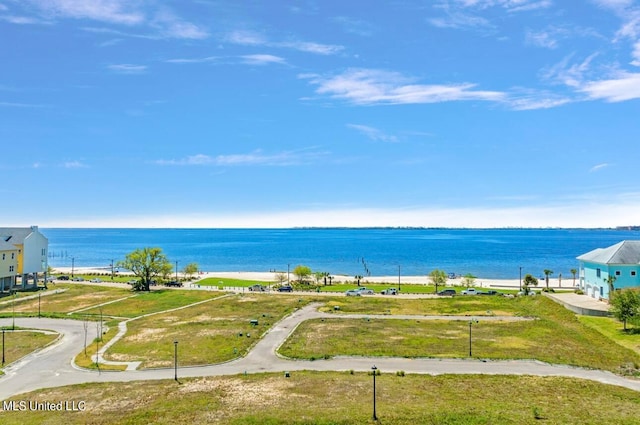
x=400, y=373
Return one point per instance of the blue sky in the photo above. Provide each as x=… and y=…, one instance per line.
x=220, y=113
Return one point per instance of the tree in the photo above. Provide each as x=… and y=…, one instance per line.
x=468, y=280
x=625, y=305
x=547, y=273
x=303, y=273
x=190, y=269
x=574, y=272
x=610, y=281
x=281, y=277
x=358, y=278
x=527, y=282
x=438, y=277
x=146, y=264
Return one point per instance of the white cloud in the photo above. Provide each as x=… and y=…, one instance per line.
x=196, y=60
x=114, y=11
x=625, y=86
x=370, y=86
x=262, y=59
x=126, y=68
x=74, y=164
x=250, y=38
x=598, y=167
x=257, y=157
x=174, y=27
x=636, y=54
x=541, y=39
x=373, y=133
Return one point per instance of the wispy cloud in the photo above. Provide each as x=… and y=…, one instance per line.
x=373, y=133
x=354, y=26
x=74, y=164
x=257, y=157
x=250, y=38
x=625, y=86
x=113, y=11
x=598, y=167
x=262, y=59
x=371, y=86
x=194, y=60
x=20, y=105
x=526, y=100
x=125, y=68
x=545, y=39
x=145, y=14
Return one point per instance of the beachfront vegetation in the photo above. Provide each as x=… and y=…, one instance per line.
x=547, y=273
x=147, y=264
x=303, y=273
x=438, y=278
x=339, y=398
x=528, y=282
x=190, y=269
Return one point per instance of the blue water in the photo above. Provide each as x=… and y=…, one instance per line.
x=487, y=253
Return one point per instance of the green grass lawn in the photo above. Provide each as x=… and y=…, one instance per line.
x=75, y=297
x=22, y=342
x=340, y=398
x=555, y=336
x=614, y=330
x=152, y=302
x=208, y=333
x=224, y=281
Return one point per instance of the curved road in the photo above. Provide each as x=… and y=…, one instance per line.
x=52, y=366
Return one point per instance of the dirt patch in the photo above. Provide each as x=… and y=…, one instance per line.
x=239, y=393
x=144, y=334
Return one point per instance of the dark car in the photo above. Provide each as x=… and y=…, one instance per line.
x=285, y=288
x=257, y=288
x=174, y=284
x=447, y=292
x=489, y=293
x=63, y=277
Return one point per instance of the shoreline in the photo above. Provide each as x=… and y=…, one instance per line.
x=391, y=280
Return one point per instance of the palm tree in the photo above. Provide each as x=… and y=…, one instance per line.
x=547, y=273
x=574, y=272
x=611, y=280
x=358, y=277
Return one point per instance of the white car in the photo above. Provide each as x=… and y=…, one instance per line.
x=470, y=291
x=359, y=291
x=96, y=280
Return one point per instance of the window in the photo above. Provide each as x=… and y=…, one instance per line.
x=10, y=268
x=3, y=256
x=633, y=272
x=12, y=255
x=597, y=272
x=617, y=272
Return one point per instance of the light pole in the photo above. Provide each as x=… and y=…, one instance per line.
x=2, y=347
x=374, y=369
x=288, y=281
x=398, y=277
x=176, y=270
x=472, y=321
x=175, y=360
x=111, y=269
x=72, y=265
x=39, y=305
x=13, y=311
x=520, y=277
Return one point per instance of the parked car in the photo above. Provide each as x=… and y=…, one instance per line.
x=96, y=280
x=352, y=293
x=78, y=279
x=359, y=291
x=132, y=281
x=389, y=291
x=447, y=292
x=63, y=277
x=489, y=293
x=174, y=284
x=470, y=291
x=257, y=288
x=285, y=288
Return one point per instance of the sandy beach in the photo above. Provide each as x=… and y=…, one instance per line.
x=270, y=277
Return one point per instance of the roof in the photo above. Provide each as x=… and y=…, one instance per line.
x=625, y=252
x=6, y=246
x=16, y=235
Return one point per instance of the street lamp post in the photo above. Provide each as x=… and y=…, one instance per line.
x=111, y=269
x=398, y=277
x=3, y=347
x=520, y=277
x=175, y=360
x=39, y=305
x=472, y=321
x=176, y=271
x=73, y=263
x=374, y=369
x=288, y=281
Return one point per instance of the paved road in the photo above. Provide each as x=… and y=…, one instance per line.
x=52, y=366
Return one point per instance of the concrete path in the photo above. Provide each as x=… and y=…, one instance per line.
x=52, y=367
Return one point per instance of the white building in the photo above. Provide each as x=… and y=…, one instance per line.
x=30, y=250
